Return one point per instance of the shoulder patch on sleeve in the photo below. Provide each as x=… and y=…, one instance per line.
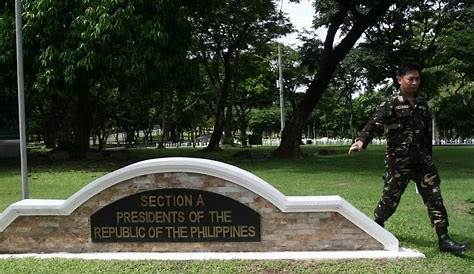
x=422, y=107
x=402, y=107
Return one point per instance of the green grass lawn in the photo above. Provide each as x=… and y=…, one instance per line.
x=357, y=179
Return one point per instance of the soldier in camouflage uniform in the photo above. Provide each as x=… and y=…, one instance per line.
x=409, y=154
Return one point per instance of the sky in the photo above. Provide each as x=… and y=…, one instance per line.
x=301, y=16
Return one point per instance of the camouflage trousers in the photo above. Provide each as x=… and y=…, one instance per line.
x=398, y=174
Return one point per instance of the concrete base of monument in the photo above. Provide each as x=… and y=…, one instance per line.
x=201, y=208
x=185, y=256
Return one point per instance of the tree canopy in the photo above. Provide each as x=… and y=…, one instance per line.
x=191, y=69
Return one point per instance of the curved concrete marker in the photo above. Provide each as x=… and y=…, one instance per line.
x=308, y=227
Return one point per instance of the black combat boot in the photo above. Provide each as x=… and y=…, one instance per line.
x=446, y=244
x=380, y=222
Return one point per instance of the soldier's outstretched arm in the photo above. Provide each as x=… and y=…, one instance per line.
x=374, y=125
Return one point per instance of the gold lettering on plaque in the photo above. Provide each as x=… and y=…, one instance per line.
x=185, y=223
x=199, y=200
x=224, y=216
x=166, y=200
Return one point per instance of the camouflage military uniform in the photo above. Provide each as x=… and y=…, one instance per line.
x=408, y=156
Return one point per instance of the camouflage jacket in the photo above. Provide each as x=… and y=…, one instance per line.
x=408, y=127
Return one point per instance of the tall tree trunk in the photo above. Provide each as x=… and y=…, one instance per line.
x=83, y=125
x=117, y=140
x=103, y=135
x=193, y=136
x=164, y=126
x=228, y=137
x=291, y=139
x=332, y=56
x=351, y=119
x=220, y=108
x=174, y=135
x=151, y=136
x=217, y=131
x=50, y=125
x=435, y=131
x=314, y=129
x=243, y=135
x=49, y=134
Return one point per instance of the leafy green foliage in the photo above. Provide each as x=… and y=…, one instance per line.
x=222, y=32
x=97, y=67
x=414, y=32
x=455, y=115
x=253, y=88
x=437, y=34
x=86, y=58
x=8, y=102
x=265, y=120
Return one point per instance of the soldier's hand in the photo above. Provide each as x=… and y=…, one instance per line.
x=356, y=147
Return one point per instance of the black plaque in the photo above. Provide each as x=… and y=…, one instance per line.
x=175, y=215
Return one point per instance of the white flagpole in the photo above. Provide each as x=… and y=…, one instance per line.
x=21, y=100
x=280, y=81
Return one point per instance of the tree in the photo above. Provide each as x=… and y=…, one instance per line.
x=455, y=115
x=348, y=79
x=294, y=71
x=8, y=89
x=188, y=106
x=436, y=34
x=414, y=32
x=253, y=89
x=221, y=31
x=352, y=18
x=265, y=120
x=82, y=52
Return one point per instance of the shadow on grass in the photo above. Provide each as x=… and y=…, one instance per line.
x=431, y=244
x=416, y=240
